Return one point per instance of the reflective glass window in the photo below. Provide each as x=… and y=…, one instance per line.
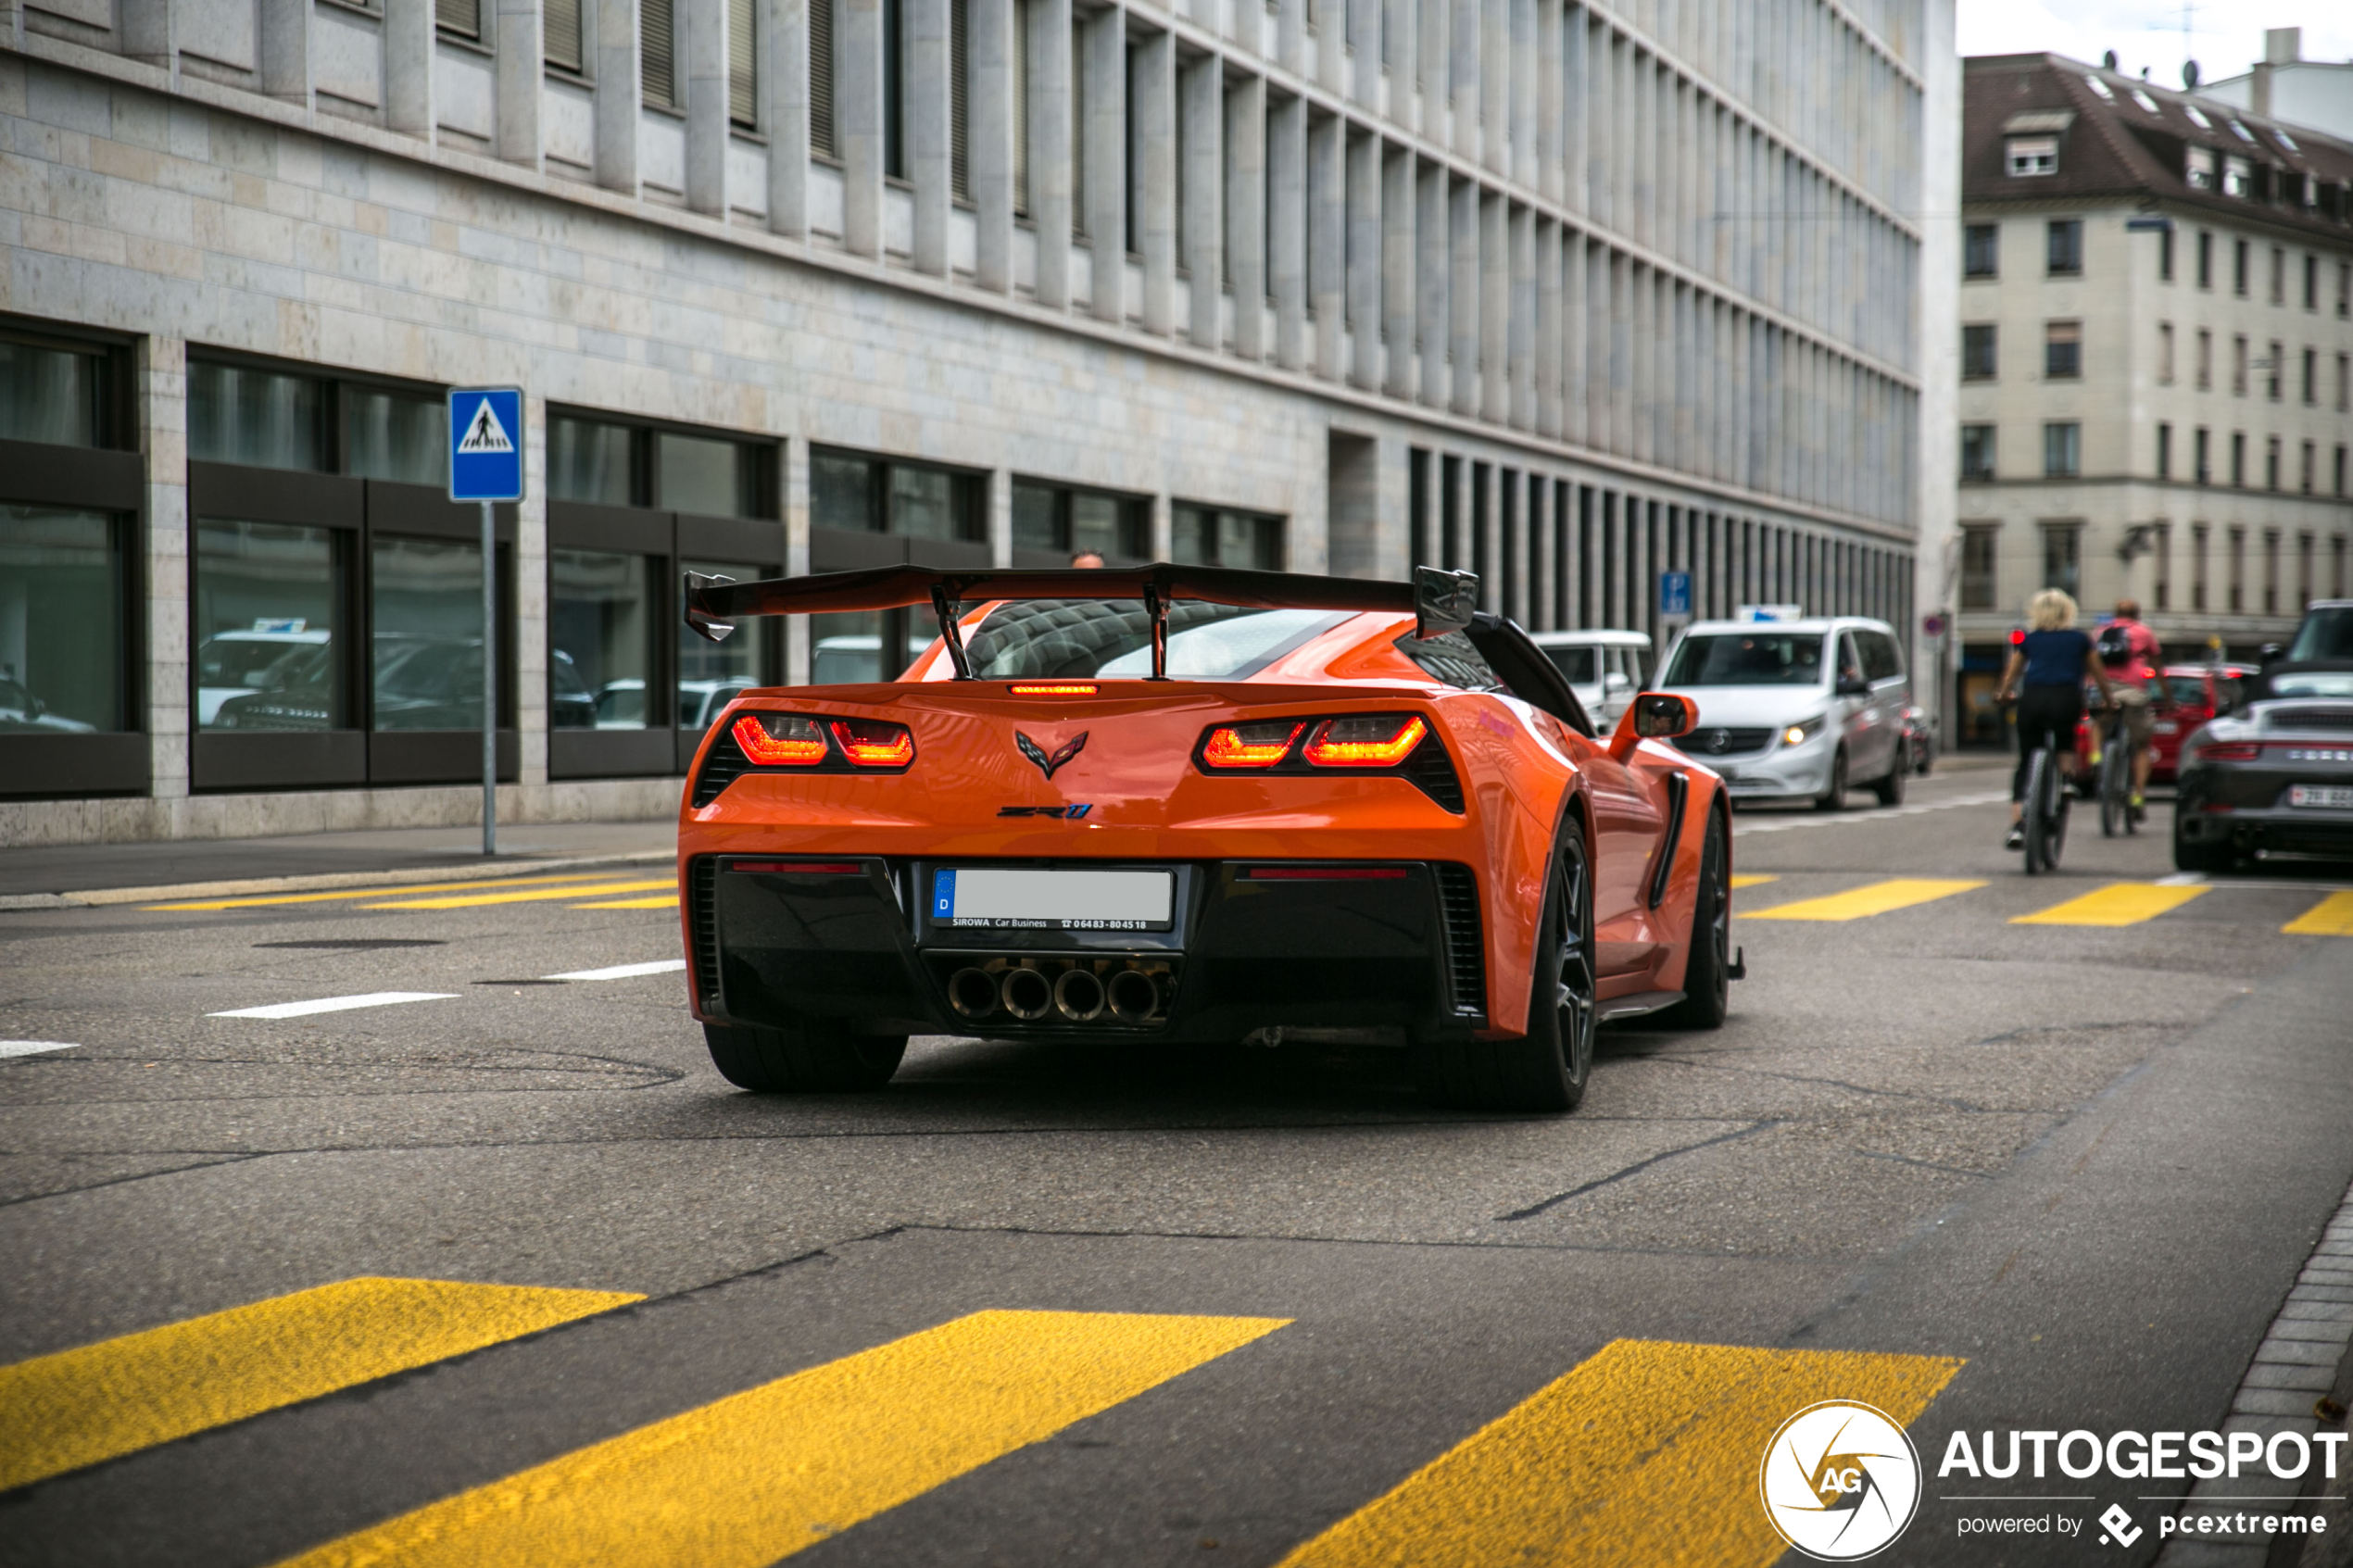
x=710, y=674
x=426, y=659
x=269, y=598
x=1037, y=523
x=699, y=474
x=49, y=394
x=60, y=621
x=588, y=461
x=855, y=647
x=395, y=436
x=601, y=615
x=923, y=504
x=257, y=418
x=841, y=494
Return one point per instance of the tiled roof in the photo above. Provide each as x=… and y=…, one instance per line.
x=2120, y=136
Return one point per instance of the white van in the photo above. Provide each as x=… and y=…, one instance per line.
x=1796, y=709
x=1605, y=668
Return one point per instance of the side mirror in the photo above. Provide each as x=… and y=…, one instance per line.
x=1852, y=685
x=1653, y=716
x=1443, y=601
x=2270, y=653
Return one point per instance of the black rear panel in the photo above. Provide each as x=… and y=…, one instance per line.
x=723, y=765
x=1465, y=951
x=702, y=903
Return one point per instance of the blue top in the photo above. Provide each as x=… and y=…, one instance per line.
x=2056, y=658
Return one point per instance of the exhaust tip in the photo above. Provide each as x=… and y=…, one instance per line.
x=972, y=993
x=1134, y=997
x=1026, y=994
x=1078, y=996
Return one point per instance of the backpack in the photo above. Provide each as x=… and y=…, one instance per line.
x=2115, y=645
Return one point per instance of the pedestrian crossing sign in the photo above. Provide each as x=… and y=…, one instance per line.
x=485, y=444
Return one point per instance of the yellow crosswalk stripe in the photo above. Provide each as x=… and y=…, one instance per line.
x=2120, y=903
x=2332, y=916
x=1878, y=898
x=761, y=1475
x=77, y=1407
x=1753, y=881
x=664, y=901
x=1602, y=1467
x=262, y=900
x=529, y=896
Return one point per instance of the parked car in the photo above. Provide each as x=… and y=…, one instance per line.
x=2198, y=693
x=2274, y=779
x=1796, y=709
x=269, y=658
x=1920, y=738
x=1606, y=668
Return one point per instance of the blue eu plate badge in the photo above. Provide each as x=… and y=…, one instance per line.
x=943, y=895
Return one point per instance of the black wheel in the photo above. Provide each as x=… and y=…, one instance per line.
x=2055, y=829
x=2115, y=786
x=808, y=1058
x=2036, y=818
x=2196, y=855
x=1835, y=798
x=1547, y=1068
x=1889, y=789
x=1706, y=984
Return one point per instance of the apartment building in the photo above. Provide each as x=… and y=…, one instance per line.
x=1570, y=293
x=2156, y=363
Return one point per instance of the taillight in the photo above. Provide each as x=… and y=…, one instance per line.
x=1373, y=740
x=1250, y=746
x=871, y=743
x=1054, y=688
x=2231, y=751
x=777, y=740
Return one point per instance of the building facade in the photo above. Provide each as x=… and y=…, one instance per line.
x=2284, y=85
x=2156, y=363
x=1568, y=293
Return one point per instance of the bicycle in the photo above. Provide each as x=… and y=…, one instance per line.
x=2115, y=790
x=2045, y=819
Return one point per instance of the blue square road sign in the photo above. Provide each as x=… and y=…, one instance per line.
x=1674, y=593
x=485, y=444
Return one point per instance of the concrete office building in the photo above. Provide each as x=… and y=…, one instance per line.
x=2156, y=363
x=1567, y=293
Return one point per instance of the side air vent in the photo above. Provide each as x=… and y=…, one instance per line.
x=1465, y=953
x=1433, y=772
x=724, y=764
x=702, y=895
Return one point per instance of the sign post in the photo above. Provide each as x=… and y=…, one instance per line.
x=485, y=465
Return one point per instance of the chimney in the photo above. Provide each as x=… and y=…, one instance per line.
x=2283, y=45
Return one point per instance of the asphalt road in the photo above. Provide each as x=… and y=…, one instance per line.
x=2007, y=1175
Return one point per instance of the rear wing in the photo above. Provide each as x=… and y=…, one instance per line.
x=1439, y=601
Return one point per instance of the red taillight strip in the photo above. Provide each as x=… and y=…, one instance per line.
x=1323, y=873
x=1059, y=688
x=768, y=750
x=1225, y=748
x=1325, y=752
x=808, y=867
x=870, y=743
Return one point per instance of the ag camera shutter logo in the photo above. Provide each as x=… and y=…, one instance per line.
x=1840, y=1481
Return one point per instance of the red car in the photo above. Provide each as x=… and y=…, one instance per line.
x=1185, y=805
x=2194, y=693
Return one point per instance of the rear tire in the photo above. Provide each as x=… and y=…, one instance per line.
x=1706, y=981
x=1889, y=789
x=809, y=1057
x=1544, y=1071
x=1835, y=798
x=2033, y=818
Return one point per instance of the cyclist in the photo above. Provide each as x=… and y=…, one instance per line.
x=2047, y=668
x=2129, y=652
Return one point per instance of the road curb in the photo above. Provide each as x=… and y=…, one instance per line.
x=322, y=881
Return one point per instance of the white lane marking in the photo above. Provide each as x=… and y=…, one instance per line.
x=1838, y=819
x=33, y=1047
x=2181, y=879
x=337, y=1004
x=623, y=971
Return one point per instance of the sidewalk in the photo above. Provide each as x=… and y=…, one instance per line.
x=454, y=851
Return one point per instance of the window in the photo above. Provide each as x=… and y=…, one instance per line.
x=2238, y=180
x=2161, y=564
x=1978, y=352
x=2238, y=267
x=2238, y=364
x=2272, y=463
x=2199, y=533
x=959, y=160
x=1020, y=108
x=894, y=88
x=1981, y=250
x=64, y=667
x=2164, y=450
x=2312, y=377
x=2064, y=248
x=2203, y=454
x=2303, y=572
x=2271, y=571
x=743, y=63
x=559, y=33
x=1206, y=537
x=2337, y=488
x=1059, y=522
x=2063, y=557
x=2238, y=601
x=259, y=418
x=656, y=52
x=425, y=634
x=395, y=436
x=2238, y=459
x=2164, y=353
x=2030, y=155
x=1979, y=585
x=2197, y=169
x=2063, y=350
x=600, y=646
x=52, y=392
x=2312, y=282
x=610, y=464
x=2205, y=360
x=588, y=461
x=2344, y=382
x=2273, y=363
x=2062, y=449
x=2344, y=289
x=2205, y=258
x=460, y=17
x=2165, y=254
x=854, y=494
x=710, y=674
x=824, y=140
x=268, y=601
x=2279, y=276
x=1977, y=451
x=2309, y=469
x=702, y=474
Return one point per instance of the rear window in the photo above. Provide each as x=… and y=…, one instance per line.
x=2187, y=690
x=1037, y=639
x=2326, y=633
x=1577, y=664
x=1748, y=658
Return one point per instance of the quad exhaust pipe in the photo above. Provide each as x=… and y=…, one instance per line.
x=1067, y=990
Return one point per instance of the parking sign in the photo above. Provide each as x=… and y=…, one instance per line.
x=1674, y=593
x=485, y=444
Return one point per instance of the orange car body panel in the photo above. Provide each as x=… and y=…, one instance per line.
x=1520, y=769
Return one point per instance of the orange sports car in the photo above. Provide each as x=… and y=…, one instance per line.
x=1194, y=805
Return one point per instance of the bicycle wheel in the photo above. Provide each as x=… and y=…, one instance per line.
x=2036, y=818
x=2116, y=782
x=2055, y=830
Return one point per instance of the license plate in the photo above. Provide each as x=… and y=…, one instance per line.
x=989, y=899
x=2328, y=797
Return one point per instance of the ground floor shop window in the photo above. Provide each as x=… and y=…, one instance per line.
x=844, y=649
x=268, y=601
x=426, y=653
x=600, y=616
x=1206, y=537
x=61, y=613
x=710, y=674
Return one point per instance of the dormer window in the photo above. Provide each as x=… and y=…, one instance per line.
x=2238, y=176
x=2096, y=85
x=2200, y=171
x=2285, y=140
x=2198, y=117
x=2033, y=154
x=2147, y=103
x=2244, y=133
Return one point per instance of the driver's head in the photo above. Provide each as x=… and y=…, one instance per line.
x=2128, y=609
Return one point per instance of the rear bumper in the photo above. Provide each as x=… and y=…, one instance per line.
x=1398, y=953
x=2247, y=808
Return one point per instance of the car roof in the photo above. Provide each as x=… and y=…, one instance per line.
x=1809, y=623
x=1598, y=638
